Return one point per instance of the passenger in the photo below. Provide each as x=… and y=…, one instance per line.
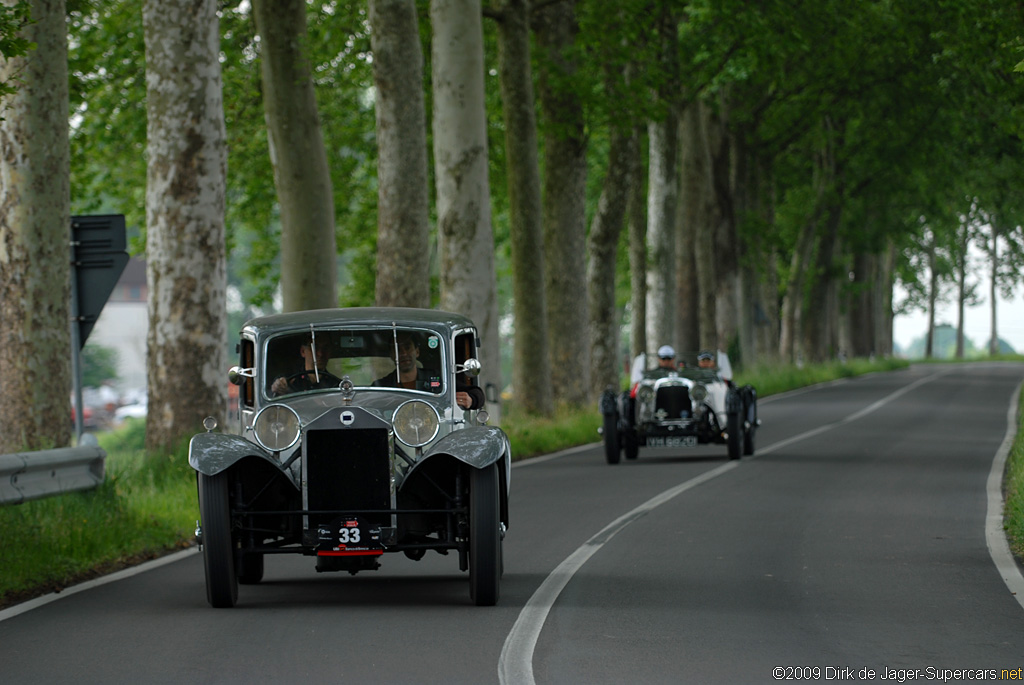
x=706, y=360
x=412, y=376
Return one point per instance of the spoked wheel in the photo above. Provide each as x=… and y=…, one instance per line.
x=485, y=560
x=612, y=449
x=218, y=552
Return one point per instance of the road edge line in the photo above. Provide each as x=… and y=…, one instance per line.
x=995, y=534
x=37, y=602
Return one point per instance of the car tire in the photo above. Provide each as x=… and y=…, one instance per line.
x=630, y=444
x=734, y=422
x=250, y=568
x=218, y=551
x=734, y=431
x=612, y=448
x=485, y=560
x=750, y=412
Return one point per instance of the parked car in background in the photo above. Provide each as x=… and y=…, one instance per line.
x=135, y=410
x=332, y=454
x=680, y=408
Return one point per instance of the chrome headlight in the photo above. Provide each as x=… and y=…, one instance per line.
x=276, y=427
x=416, y=423
x=645, y=394
x=698, y=392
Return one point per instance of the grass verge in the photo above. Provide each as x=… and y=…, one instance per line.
x=147, y=505
x=1013, y=488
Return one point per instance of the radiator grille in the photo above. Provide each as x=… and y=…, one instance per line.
x=675, y=400
x=348, y=469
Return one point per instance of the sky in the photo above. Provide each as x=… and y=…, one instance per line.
x=977, y=321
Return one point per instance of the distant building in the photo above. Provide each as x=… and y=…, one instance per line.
x=124, y=324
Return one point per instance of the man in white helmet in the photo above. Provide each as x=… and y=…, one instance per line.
x=666, y=363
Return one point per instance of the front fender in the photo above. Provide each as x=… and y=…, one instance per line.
x=478, y=446
x=211, y=453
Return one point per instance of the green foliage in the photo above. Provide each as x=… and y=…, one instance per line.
x=99, y=365
x=773, y=379
x=107, y=88
x=944, y=346
x=13, y=20
x=532, y=435
x=914, y=107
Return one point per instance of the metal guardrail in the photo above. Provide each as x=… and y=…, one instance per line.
x=26, y=476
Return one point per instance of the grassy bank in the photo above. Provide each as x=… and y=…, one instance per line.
x=1013, y=487
x=147, y=506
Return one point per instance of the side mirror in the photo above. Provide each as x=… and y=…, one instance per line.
x=471, y=367
x=237, y=375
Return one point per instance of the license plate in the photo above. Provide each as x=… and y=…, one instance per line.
x=349, y=535
x=680, y=441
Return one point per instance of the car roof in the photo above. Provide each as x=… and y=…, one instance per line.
x=359, y=316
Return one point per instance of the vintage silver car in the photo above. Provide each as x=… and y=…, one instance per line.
x=359, y=432
x=680, y=407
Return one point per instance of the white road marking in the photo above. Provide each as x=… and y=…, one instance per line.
x=995, y=536
x=96, y=582
x=516, y=662
x=515, y=666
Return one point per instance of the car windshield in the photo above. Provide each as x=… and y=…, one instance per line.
x=691, y=367
x=699, y=374
x=316, y=359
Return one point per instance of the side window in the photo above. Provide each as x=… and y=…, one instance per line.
x=465, y=348
x=248, y=361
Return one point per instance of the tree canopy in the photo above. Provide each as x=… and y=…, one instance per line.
x=825, y=151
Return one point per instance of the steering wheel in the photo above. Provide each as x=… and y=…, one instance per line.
x=290, y=379
x=326, y=378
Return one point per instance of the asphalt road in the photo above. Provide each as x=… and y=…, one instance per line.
x=855, y=539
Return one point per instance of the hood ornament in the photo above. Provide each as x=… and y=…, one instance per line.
x=348, y=390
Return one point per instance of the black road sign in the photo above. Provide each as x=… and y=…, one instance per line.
x=98, y=258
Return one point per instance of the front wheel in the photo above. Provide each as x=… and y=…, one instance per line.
x=485, y=562
x=218, y=551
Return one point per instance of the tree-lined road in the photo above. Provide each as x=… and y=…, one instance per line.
x=855, y=538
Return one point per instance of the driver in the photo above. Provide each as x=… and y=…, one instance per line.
x=706, y=360
x=666, y=363
x=314, y=375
